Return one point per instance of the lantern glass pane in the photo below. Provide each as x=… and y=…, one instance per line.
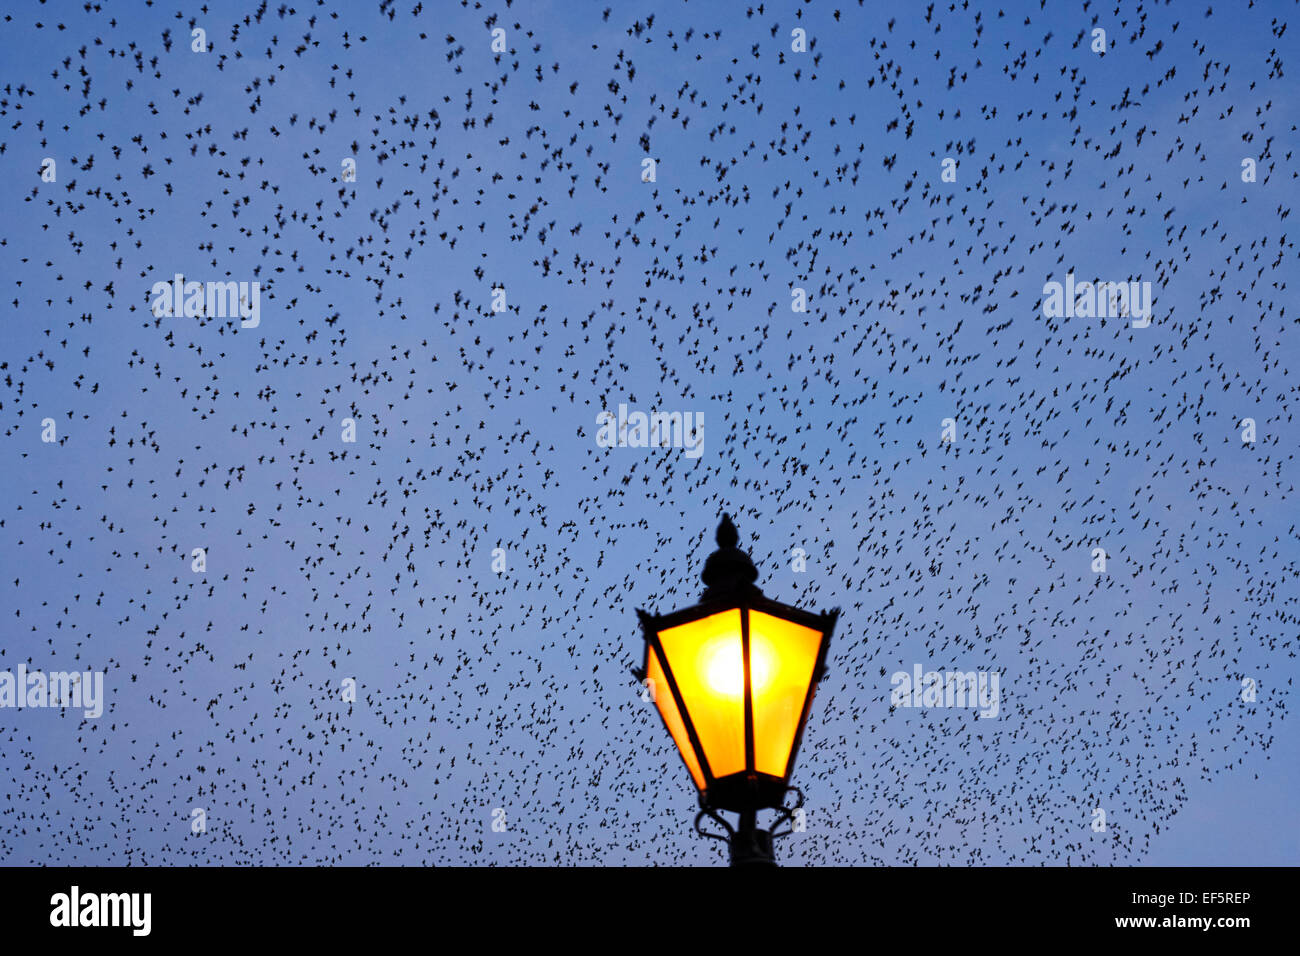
x=663, y=698
x=782, y=657
x=706, y=661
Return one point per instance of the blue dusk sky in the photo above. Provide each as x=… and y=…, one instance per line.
x=835, y=235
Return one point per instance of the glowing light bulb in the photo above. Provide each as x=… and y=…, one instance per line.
x=725, y=668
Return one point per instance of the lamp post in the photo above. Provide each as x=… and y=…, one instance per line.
x=733, y=679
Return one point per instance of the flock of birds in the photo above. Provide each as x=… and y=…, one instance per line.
x=505, y=265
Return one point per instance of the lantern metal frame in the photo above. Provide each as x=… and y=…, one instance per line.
x=729, y=576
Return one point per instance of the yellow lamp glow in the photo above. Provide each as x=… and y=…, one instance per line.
x=789, y=654
x=726, y=671
x=673, y=718
x=698, y=655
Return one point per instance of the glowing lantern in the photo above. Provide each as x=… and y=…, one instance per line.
x=733, y=678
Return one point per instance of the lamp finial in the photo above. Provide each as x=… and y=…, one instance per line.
x=727, y=536
x=728, y=572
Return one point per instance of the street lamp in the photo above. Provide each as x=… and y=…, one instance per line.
x=733, y=679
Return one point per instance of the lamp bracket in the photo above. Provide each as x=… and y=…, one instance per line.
x=718, y=818
x=786, y=814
